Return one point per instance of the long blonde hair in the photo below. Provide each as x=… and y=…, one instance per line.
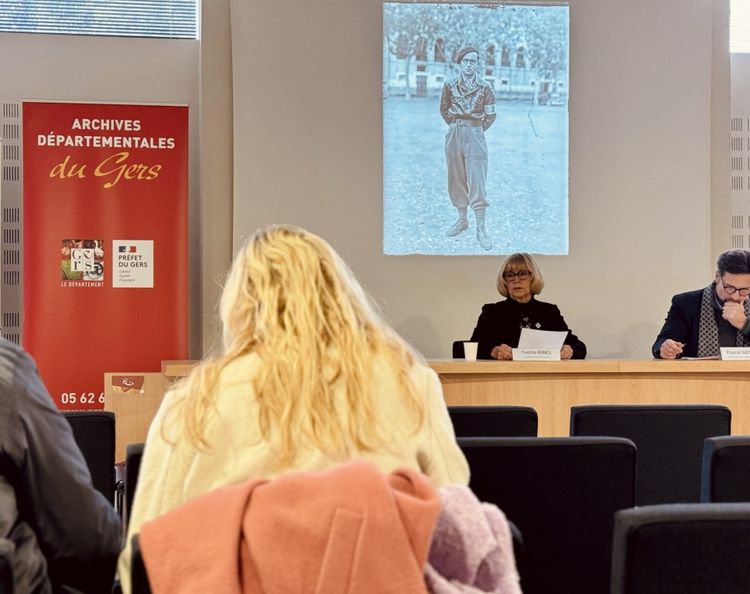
x=291, y=300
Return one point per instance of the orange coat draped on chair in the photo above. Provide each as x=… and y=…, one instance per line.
x=346, y=529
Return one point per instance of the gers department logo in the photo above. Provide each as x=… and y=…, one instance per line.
x=82, y=262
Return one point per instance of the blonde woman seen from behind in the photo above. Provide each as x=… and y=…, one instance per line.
x=309, y=376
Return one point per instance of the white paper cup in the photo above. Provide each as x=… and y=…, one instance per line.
x=470, y=351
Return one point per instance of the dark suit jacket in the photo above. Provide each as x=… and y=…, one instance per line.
x=682, y=323
x=501, y=323
x=66, y=535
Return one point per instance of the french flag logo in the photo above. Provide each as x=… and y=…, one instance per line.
x=127, y=249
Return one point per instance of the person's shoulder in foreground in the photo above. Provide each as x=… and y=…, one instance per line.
x=66, y=535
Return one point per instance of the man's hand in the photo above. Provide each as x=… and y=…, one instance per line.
x=566, y=352
x=502, y=353
x=670, y=349
x=734, y=313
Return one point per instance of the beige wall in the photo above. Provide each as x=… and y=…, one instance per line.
x=307, y=120
x=297, y=138
x=216, y=178
x=83, y=68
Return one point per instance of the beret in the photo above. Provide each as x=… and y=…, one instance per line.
x=464, y=51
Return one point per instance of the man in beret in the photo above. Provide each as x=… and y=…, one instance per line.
x=467, y=105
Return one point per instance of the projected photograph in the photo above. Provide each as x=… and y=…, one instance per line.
x=475, y=129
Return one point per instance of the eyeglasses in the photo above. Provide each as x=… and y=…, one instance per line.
x=729, y=289
x=469, y=61
x=524, y=274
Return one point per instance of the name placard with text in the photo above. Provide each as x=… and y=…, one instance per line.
x=536, y=354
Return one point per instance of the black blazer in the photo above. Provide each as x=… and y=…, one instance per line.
x=682, y=323
x=501, y=323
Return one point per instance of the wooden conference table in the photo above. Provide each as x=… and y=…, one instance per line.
x=551, y=387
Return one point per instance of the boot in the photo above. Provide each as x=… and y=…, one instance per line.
x=461, y=225
x=482, y=236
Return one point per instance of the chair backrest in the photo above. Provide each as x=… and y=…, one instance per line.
x=494, y=421
x=669, y=439
x=726, y=469
x=696, y=548
x=94, y=432
x=458, y=349
x=562, y=494
x=133, y=455
x=139, y=583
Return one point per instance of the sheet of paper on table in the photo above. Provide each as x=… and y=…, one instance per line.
x=541, y=339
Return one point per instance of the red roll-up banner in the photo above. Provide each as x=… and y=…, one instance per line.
x=105, y=242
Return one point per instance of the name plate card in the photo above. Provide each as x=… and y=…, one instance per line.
x=735, y=353
x=536, y=354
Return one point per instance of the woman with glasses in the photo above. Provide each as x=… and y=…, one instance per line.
x=700, y=322
x=499, y=325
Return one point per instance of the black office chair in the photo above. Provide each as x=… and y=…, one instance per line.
x=94, y=432
x=669, y=439
x=726, y=469
x=139, y=583
x=494, y=421
x=562, y=494
x=697, y=548
x=133, y=455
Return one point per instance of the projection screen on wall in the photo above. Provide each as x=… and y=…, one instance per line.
x=448, y=166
